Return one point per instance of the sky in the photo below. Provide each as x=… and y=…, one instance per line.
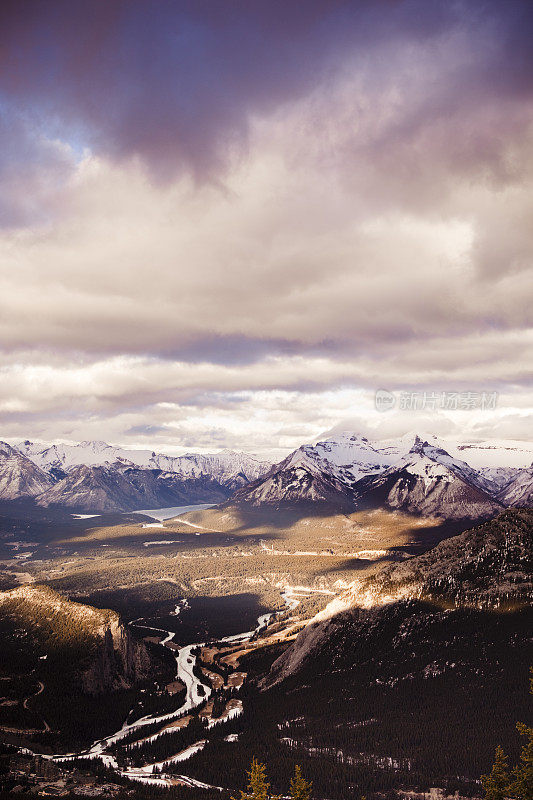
x=229, y=224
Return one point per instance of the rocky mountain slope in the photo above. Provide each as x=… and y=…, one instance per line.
x=488, y=567
x=424, y=479
x=298, y=482
x=112, y=487
x=104, y=654
x=19, y=476
x=416, y=673
x=95, y=476
x=418, y=474
x=322, y=475
x=519, y=491
x=429, y=481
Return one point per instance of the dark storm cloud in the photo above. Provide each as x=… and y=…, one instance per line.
x=176, y=83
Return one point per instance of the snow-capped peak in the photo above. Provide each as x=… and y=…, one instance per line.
x=225, y=466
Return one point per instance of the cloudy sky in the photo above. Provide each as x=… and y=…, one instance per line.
x=227, y=224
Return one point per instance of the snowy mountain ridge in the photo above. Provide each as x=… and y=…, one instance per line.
x=415, y=473
x=411, y=473
x=96, y=476
x=220, y=465
x=19, y=476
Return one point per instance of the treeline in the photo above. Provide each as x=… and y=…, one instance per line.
x=516, y=783
x=259, y=789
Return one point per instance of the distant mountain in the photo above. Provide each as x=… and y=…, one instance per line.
x=112, y=487
x=518, y=491
x=357, y=455
x=228, y=468
x=19, y=476
x=429, y=481
x=493, y=453
x=298, y=482
x=95, y=476
x=349, y=457
x=418, y=474
x=322, y=475
x=498, y=460
x=351, y=472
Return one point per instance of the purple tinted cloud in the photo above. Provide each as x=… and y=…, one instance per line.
x=32, y=168
x=176, y=83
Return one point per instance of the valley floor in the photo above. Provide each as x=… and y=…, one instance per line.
x=222, y=594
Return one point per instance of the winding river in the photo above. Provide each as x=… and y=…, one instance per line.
x=196, y=693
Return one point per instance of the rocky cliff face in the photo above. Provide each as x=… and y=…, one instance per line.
x=92, y=645
x=118, y=663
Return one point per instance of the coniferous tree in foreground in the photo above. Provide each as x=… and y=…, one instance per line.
x=496, y=784
x=259, y=789
x=499, y=784
x=521, y=786
x=300, y=789
x=522, y=783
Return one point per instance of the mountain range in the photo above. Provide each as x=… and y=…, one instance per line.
x=416, y=474
x=95, y=476
x=412, y=473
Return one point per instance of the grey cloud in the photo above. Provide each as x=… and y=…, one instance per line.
x=352, y=212
x=177, y=87
x=146, y=430
x=33, y=170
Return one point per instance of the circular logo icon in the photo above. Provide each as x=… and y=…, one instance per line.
x=384, y=400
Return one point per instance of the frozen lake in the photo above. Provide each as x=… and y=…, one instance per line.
x=167, y=513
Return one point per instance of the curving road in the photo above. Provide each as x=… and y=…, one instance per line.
x=30, y=697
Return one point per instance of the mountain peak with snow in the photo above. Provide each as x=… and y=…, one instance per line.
x=347, y=466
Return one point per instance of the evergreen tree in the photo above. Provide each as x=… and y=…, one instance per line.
x=258, y=788
x=496, y=784
x=300, y=789
x=521, y=786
